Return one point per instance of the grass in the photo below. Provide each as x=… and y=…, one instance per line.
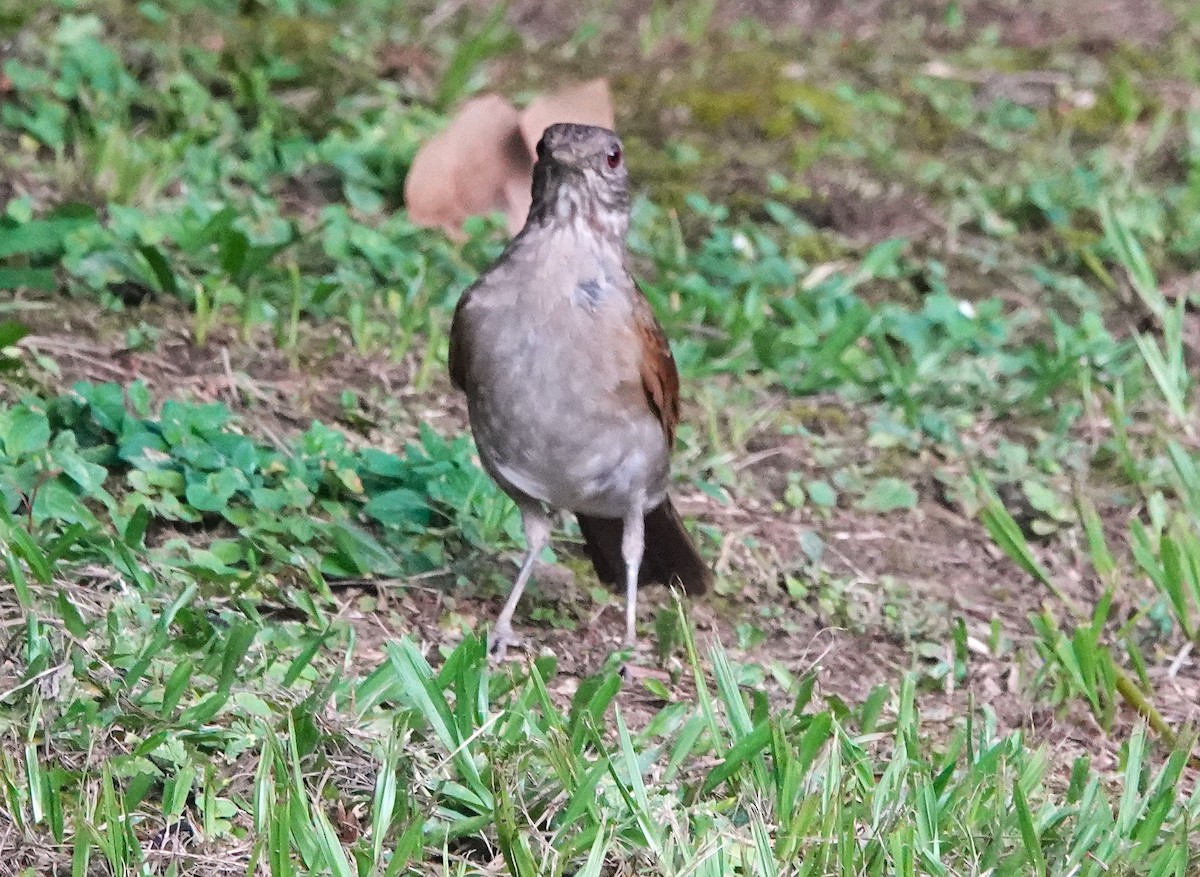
x=938, y=340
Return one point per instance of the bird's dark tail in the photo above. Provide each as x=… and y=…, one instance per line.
x=670, y=556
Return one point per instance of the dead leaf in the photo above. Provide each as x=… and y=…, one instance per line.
x=483, y=161
x=347, y=823
x=474, y=167
x=588, y=103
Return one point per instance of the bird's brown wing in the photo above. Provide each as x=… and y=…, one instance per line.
x=458, y=347
x=670, y=555
x=660, y=377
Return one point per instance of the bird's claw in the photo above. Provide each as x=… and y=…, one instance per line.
x=499, y=639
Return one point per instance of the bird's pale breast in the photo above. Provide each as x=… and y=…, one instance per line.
x=557, y=405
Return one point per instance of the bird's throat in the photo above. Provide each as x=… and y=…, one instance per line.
x=567, y=200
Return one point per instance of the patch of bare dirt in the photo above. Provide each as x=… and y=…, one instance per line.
x=17, y=181
x=280, y=394
x=866, y=211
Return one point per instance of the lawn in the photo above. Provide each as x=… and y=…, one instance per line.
x=931, y=273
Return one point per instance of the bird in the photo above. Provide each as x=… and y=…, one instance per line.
x=572, y=390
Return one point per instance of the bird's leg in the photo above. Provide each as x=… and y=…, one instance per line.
x=632, y=543
x=537, y=534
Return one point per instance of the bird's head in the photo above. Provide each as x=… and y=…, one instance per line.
x=580, y=176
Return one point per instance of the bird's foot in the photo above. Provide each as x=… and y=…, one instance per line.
x=630, y=671
x=627, y=669
x=499, y=639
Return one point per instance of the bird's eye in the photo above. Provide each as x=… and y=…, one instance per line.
x=541, y=150
x=614, y=157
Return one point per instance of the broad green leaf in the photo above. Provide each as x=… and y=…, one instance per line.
x=399, y=507
x=23, y=431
